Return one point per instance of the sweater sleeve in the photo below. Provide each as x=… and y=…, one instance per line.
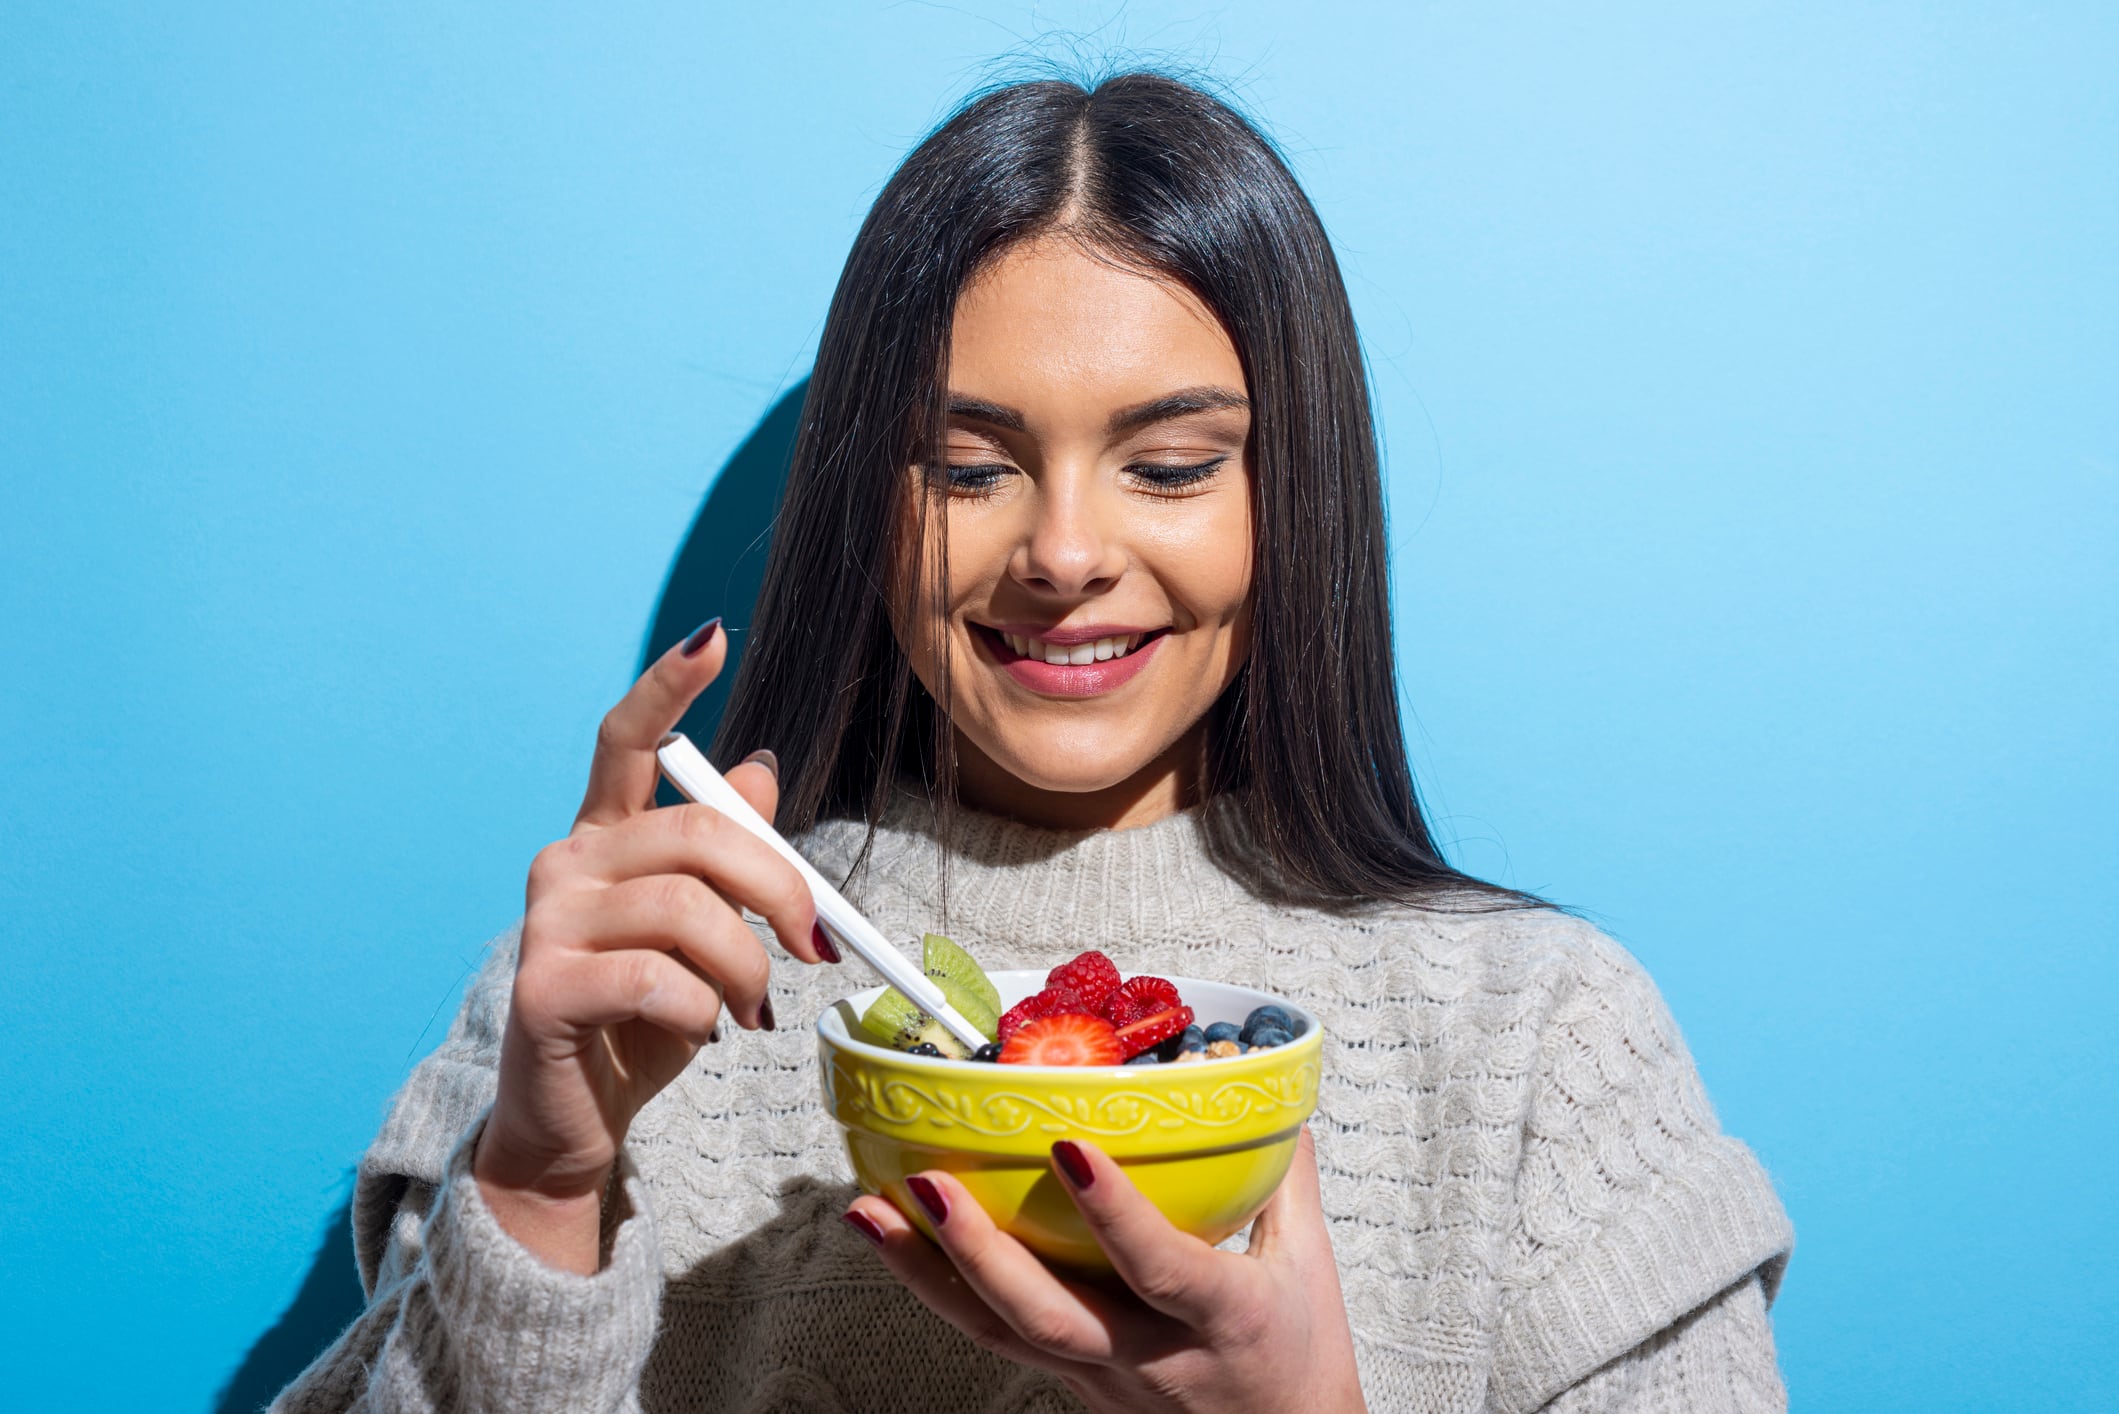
x=1632, y=1209
x=1717, y=1360
x=460, y=1315
x=467, y=1318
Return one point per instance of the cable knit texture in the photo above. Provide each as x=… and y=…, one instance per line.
x=1529, y=1198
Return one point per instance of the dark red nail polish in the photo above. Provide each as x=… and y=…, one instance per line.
x=931, y=1198
x=765, y=1014
x=865, y=1225
x=1074, y=1163
x=821, y=941
x=762, y=757
x=701, y=636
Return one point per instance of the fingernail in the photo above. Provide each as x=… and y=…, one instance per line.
x=821, y=941
x=701, y=636
x=762, y=757
x=1074, y=1163
x=765, y=1014
x=931, y=1198
x=865, y=1225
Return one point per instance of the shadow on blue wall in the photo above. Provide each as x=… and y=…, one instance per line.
x=723, y=560
x=328, y=1301
x=718, y=571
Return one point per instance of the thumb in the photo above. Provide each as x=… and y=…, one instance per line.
x=1292, y=1221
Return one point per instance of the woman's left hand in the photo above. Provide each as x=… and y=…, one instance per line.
x=1192, y=1328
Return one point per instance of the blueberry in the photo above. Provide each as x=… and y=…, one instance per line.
x=925, y=1048
x=1147, y=1057
x=991, y=1051
x=1223, y=1031
x=1262, y=1017
x=1268, y=1036
x=1191, y=1039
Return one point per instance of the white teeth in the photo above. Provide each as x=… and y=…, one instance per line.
x=1071, y=654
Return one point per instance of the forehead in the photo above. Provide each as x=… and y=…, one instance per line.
x=1054, y=329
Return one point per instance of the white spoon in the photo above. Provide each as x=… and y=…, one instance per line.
x=691, y=773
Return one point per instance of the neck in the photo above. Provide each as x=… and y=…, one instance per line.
x=1166, y=785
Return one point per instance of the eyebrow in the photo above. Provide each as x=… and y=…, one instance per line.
x=979, y=410
x=1182, y=403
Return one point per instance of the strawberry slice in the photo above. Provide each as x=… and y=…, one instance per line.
x=1141, y=998
x=1151, y=1031
x=1092, y=977
x=1069, y=1038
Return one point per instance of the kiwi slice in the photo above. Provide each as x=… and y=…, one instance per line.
x=962, y=980
x=896, y=1022
x=893, y=1020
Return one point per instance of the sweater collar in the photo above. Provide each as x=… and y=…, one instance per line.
x=1058, y=891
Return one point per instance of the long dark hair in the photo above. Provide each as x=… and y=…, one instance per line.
x=1307, y=773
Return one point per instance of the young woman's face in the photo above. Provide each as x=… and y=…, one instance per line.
x=1098, y=511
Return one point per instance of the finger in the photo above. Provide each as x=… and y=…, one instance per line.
x=1292, y=1221
x=1063, y=1319
x=757, y=779
x=665, y=912
x=928, y=1273
x=1172, y=1271
x=622, y=773
x=605, y=988
x=688, y=839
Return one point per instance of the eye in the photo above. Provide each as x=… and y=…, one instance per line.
x=1162, y=477
x=976, y=478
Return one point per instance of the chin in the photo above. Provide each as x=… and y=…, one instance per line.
x=1067, y=778
x=1076, y=767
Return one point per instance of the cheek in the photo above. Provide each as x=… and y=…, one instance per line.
x=979, y=545
x=1205, y=568
x=919, y=602
x=976, y=557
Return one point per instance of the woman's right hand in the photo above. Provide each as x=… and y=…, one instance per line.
x=633, y=949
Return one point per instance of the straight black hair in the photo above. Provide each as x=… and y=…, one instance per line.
x=1310, y=791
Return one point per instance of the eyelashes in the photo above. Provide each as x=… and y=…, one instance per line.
x=983, y=478
x=978, y=479
x=1170, y=478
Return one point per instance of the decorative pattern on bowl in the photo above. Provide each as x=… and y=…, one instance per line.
x=863, y=1096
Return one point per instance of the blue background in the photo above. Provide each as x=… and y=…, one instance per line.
x=1750, y=376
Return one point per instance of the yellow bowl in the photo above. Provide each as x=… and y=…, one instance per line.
x=1206, y=1141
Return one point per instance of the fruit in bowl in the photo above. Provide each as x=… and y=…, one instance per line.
x=1207, y=1142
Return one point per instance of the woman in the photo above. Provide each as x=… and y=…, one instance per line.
x=1086, y=457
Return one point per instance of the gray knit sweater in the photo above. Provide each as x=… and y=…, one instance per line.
x=1530, y=1201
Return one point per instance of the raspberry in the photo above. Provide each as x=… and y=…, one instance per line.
x=1053, y=1001
x=1069, y=1039
x=1153, y=1030
x=1091, y=977
x=1141, y=998
x=1030, y=1008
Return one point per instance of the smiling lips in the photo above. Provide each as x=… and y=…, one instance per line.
x=1070, y=662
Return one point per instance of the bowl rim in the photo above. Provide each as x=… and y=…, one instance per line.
x=834, y=1028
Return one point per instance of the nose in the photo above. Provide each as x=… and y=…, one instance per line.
x=1069, y=547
